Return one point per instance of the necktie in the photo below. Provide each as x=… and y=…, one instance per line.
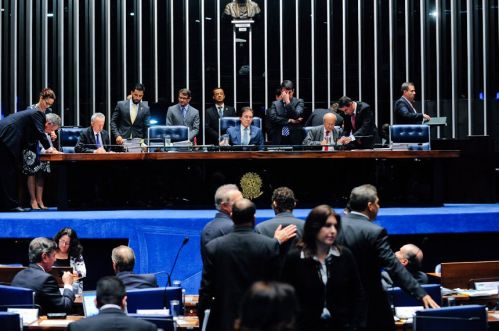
x=352, y=119
x=285, y=131
x=97, y=141
x=184, y=112
x=326, y=148
x=133, y=112
x=245, y=140
x=221, y=112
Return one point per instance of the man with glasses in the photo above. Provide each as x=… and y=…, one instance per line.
x=245, y=133
x=184, y=114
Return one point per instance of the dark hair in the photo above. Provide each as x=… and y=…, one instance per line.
x=39, y=246
x=217, y=88
x=277, y=92
x=47, y=93
x=287, y=84
x=243, y=211
x=283, y=199
x=139, y=87
x=316, y=219
x=268, y=306
x=185, y=91
x=110, y=290
x=361, y=196
x=344, y=101
x=75, y=248
x=405, y=86
x=245, y=109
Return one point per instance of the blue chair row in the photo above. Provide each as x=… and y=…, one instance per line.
x=176, y=133
x=401, y=299
x=11, y=295
x=152, y=298
x=227, y=122
x=68, y=137
x=412, y=137
x=460, y=318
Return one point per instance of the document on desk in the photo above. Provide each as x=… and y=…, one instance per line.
x=477, y=293
x=55, y=322
x=407, y=312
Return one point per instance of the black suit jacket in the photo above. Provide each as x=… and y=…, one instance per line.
x=137, y=281
x=267, y=228
x=233, y=263
x=111, y=319
x=369, y=245
x=316, y=118
x=219, y=226
x=46, y=290
x=405, y=113
x=365, y=132
x=212, y=126
x=278, y=116
x=86, y=141
x=121, y=124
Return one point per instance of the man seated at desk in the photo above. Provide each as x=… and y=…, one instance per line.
x=411, y=257
x=94, y=139
x=323, y=134
x=123, y=259
x=38, y=278
x=111, y=301
x=245, y=133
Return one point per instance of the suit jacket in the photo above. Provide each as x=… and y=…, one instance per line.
x=343, y=295
x=233, y=263
x=174, y=117
x=121, y=123
x=316, y=118
x=278, y=116
x=219, y=226
x=86, y=141
x=46, y=290
x=212, y=126
x=369, y=245
x=405, y=113
x=137, y=281
x=267, y=228
x=316, y=135
x=365, y=131
x=21, y=129
x=111, y=319
x=256, y=136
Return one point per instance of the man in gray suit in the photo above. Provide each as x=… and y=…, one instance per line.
x=130, y=118
x=184, y=114
x=323, y=134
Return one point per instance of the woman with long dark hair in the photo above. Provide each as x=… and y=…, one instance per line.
x=325, y=276
x=68, y=253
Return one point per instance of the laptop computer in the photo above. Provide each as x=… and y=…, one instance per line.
x=88, y=301
x=437, y=121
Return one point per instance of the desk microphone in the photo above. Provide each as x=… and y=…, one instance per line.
x=184, y=242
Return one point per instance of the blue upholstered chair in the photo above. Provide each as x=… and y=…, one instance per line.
x=10, y=321
x=227, y=122
x=11, y=295
x=164, y=323
x=401, y=299
x=459, y=318
x=175, y=132
x=412, y=137
x=152, y=298
x=68, y=137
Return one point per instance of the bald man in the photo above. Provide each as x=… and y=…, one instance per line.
x=123, y=259
x=322, y=134
x=411, y=257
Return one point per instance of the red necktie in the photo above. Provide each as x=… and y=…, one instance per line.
x=352, y=119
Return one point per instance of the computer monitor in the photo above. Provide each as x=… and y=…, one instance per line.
x=88, y=300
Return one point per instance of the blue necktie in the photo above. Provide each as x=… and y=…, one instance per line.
x=184, y=112
x=97, y=141
x=245, y=140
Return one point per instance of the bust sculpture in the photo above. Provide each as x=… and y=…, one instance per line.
x=242, y=9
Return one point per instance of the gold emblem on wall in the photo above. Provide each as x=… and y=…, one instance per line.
x=251, y=185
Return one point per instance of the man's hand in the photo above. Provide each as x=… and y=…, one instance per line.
x=53, y=136
x=100, y=150
x=426, y=117
x=119, y=140
x=428, y=302
x=283, y=235
x=344, y=140
x=285, y=96
x=67, y=278
x=52, y=150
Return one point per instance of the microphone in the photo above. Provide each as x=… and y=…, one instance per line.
x=184, y=242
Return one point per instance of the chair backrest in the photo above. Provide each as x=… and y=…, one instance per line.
x=164, y=323
x=175, y=132
x=152, y=298
x=410, y=136
x=227, y=122
x=68, y=137
x=459, y=318
x=401, y=299
x=10, y=321
x=11, y=295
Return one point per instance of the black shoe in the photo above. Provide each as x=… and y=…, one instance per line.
x=20, y=209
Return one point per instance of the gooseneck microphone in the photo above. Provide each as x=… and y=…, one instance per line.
x=184, y=242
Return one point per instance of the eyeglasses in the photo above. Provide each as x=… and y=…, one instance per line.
x=64, y=242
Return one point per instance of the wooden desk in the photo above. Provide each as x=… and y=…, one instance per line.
x=459, y=274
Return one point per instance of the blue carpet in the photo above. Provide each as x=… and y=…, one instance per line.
x=155, y=235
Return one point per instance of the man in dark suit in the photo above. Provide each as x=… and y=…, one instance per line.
x=324, y=134
x=286, y=117
x=369, y=245
x=411, y=257
x=111, y=301
x=123, y=259
x=38, y=278
x=17, y=132
x=233, y=263
x=214, y=113
x=245, y=133
x=130, y=118
x=405, y=113
x=94, y=139
x=359, y=129
x=316, y=117
x=225, y=196
x=184, y=114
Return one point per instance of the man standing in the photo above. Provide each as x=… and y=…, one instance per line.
x=411, y=257
x=111, y=301
x=405, y=113
x=214, y=113
x=38, y=278
x=225, y=196
x=123, y=259
x=359, y=130
x=323, y=134
x=369, y=245
x=130, y=118
x=315, y=119
x=233, y=263
x=184, y=114
x=245, y=133
x=94, y=139
x=285, y=117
